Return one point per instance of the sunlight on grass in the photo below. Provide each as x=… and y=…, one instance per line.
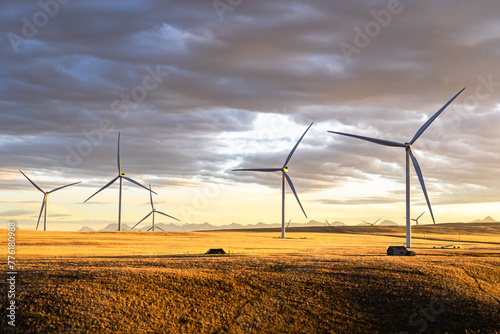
x=82, y=244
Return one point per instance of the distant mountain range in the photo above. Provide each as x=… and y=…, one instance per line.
x=234, y=226
x=388, y=223
x=206, y=226
x=488, y=219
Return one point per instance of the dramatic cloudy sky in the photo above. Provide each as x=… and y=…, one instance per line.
x=197, y=88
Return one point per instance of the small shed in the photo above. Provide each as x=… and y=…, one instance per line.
x=399, y=251
x=215, y=251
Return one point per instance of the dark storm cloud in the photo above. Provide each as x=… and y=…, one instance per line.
x=172, y=77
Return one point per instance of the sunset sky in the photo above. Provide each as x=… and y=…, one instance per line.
x=198, y=88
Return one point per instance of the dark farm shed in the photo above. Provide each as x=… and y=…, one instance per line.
x=215, y=251
x=399, y=251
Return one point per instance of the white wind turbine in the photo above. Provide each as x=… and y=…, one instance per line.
x=120, y=176
x=284, y=173
x=409, y=155
x=153, y=211
x=44, y=202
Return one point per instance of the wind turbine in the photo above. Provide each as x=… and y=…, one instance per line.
x=44, y=201
x=284, y=175
x=326, y=220
x=372, y=224
x=153, y=211
x=120, y=176
x=409, y=155
x=416, y=220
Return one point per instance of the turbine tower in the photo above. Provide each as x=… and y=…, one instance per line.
x=284, y=175
x=153, y=211
x=120, y=176
x=409, y=155
x=44, y=201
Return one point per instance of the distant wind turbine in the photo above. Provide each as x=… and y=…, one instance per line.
x=416, y=220
x=284, y=173
x=326, y=220
x=409, y=155
x=120, y=176
x=153, y=211
x=372, y=224
x=44, y=202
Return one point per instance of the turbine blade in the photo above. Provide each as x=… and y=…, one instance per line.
x=41, y=210
x=288, y=223
x=377, y=220
x=137, y=183
x=327, y=222
x=107, y=185
x=257, y=170
x=161, y=213
x=426, y=124
x=151, y=197
x=33, y=183
x=149, y=229
x=63, y=187
x=421, y=215
x=422, y=183
x=294, y=192
x=160, y=228
x=364, y=221
x=149, y=214
x=118, y=156
x=373, y=140
x=295, y=147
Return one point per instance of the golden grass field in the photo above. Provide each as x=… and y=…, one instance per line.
x=318, y=280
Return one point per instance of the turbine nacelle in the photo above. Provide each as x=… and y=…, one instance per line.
x=285, y=169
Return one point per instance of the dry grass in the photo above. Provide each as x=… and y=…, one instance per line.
x=259, y=294
x=328, y=285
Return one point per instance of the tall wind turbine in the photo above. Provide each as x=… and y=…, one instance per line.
x=409, y=155
x=153, y=211
x=120, y=176
x=284, y=175
x=371, y=224
x=44, y=201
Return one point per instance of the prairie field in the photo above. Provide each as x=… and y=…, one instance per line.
x=318, y=280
